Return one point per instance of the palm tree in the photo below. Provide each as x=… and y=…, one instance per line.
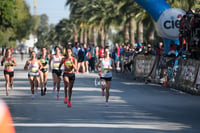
x=184, y=4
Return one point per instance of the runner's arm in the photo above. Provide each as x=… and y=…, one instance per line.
x=75, y=64
x=26, y=65
x=2, y=61
x=14, y=62
x=40, y=64
x=50, y=62
x=61, y=63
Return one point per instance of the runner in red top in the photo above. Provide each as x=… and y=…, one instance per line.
x=70, y=64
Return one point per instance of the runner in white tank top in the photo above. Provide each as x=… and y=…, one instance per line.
x=34, y=66
x=56, y=73
x=107, y=66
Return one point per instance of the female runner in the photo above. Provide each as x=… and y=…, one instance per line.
x=107, y=66
x=34, y=66
x=56, y=74
x=8, y=61
x=44, y=59
x=70, y=64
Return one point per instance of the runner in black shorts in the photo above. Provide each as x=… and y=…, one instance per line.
x=44, y=59
x=70, y=64
x=107, y=66
x=56, y=73
x=9, y=62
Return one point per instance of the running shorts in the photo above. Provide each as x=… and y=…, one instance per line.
x=106, y=78
x=11, y=74
x=57, y=72
x=71, y=76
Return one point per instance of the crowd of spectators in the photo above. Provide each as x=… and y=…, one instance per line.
x=123, y=55
x=190, y=33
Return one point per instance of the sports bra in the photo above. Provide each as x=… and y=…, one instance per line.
x=68, y=63
x=7, y=63
x=44, y=61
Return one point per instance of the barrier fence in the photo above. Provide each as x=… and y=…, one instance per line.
x=185, y=75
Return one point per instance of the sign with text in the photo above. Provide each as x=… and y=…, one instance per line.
x=143, y=65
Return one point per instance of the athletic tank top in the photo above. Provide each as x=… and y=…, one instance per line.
x=56, y=62
x=33, y=67
x=105, y=68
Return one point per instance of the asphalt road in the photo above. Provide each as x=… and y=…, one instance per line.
x=135, y=107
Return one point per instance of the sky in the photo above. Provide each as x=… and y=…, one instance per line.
x=55, y=9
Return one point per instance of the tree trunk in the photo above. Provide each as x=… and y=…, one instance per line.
x=90, y=35
x=75, y=34
x=81, y=36
x=106, y=29
x=102, y=36
x=94, y=32
x=85, y=36
x=132, y=31
x=126, y=33
x=151, y=35
x=140, y=32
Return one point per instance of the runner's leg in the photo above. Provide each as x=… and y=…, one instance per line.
x=45, y=82
x=107, y=90
x=66, y=83
x=7, y=83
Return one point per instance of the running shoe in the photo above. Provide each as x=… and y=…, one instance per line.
x=57, y=96
x=42, y=93
x=7, y=93
x=33, y=97
x=54, y=89
x=65, y=100
x=69, y=104
x=45, y=91
x=36, y=90
x=106, y=105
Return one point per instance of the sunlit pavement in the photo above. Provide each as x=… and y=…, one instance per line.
x=134, y=107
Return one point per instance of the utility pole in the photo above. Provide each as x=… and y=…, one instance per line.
x=35, y=7
x=35, y=13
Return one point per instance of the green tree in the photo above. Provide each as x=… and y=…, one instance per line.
x=15, y=21
x=42, y=31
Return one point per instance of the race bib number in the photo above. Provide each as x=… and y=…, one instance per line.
x=68, y=63
x=106, y=70
x=56, y=65
x=33, y=70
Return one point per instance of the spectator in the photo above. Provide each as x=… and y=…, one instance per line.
x=172, y=50
x=75, y=50
x=117, y=55
x=92, y=60
x=81, y=59
x=101, y=52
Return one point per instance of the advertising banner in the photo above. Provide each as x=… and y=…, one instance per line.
x=188, y=73
x=143, y=65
